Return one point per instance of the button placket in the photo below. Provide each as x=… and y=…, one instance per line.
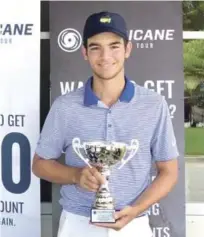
x=109, y=125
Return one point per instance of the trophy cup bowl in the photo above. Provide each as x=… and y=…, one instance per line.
x=103, y=155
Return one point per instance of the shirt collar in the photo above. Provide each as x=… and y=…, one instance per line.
x=90, y=97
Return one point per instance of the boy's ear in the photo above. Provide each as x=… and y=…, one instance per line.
x=84, y=52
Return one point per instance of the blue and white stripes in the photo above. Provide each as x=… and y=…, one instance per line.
x=142, y=115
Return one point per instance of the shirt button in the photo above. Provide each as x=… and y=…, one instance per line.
x=109, y=125
x=109, y=111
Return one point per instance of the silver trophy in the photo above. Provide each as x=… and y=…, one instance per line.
x=103, y=155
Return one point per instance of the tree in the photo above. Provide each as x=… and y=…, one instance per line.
x=193, y=15
x=193, y=56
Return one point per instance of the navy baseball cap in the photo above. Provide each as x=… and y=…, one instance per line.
x=104, y=22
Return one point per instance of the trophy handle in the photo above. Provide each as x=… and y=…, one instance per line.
x=133, y=150
x=77, y=146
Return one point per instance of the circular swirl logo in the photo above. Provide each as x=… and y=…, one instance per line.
x=69, y=40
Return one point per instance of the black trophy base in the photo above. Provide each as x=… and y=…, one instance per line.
x=102, y=215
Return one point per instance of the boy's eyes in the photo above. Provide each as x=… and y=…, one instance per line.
x=94, y=48
x=115, y=46
x=112, y=47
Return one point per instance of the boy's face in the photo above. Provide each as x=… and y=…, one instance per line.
x=106, y=53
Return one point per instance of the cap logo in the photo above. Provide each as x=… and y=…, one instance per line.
x=105, y=19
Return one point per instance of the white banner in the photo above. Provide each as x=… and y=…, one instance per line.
x=19, y=117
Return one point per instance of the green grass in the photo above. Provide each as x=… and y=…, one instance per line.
x=194, y=141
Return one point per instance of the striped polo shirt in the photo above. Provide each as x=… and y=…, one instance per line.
x=138, y=114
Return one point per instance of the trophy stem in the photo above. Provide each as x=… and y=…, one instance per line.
x=103, y=197
x=104, y=170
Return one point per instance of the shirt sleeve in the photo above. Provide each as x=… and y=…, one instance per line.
x=163, y=145
x=52, y=138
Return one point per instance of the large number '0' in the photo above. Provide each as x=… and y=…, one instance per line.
x=25, y=170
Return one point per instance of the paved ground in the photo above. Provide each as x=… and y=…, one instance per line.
x=194, y=179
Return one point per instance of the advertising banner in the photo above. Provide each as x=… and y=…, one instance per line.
x=19, y=117
x=156, y=62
